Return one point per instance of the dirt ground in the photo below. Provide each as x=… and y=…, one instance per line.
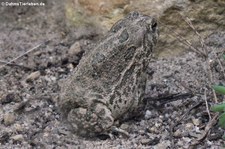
x=30, y=117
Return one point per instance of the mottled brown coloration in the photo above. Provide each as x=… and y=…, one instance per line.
x=110, y=80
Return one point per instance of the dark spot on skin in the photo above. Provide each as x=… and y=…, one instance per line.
x=112, y=99
x=123, y=36
x=95, y=75
x=120, y=100
x=129, y=53
x=133, y=15
x=128, y=88
x=97, y=90
x=116, y=102
x=114, y=107
x=98, y=96
x=102, y=112
x=98, y=58
x=125, y=102
x=126, y=91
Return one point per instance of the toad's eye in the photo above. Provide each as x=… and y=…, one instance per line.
x=123, y=36
x=154, y=26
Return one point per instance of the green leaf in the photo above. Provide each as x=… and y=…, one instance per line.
x=223, y=136
x=224, y=56
x=219, y=89
x=222, y=120
x=218, y=108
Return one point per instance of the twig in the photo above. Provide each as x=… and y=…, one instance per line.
x=22, y=105
x=32, y=49
x=183, y=84
x=179, y=120
x=184, y=41
x=17, y=65
x=188, y=111
x=121, y=131
x=219, y=62
x=206, y=103
x=211, y=80
x=210, y=124
x=188, y=21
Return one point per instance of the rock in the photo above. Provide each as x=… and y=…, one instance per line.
x=141, y=132
x=124, y=127
x=9, y=118
x=148, y=114
x=18, y=137
x=178, y=133
x=18, y=127
x=8, y=98
x=189, y=126
x=196, y=122
x=33, y=76
x=4, y=137
x=163, y=145
x=75, y=49
x=152, y=130
x=145, y=141
x=70, y=66
x=75, y=53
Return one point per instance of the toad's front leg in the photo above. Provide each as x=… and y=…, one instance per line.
x=96, y=119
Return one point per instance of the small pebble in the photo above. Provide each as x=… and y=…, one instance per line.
x=163, y=145
x=124, y=127
x=9, y=118
x=18, y=127
x=8, y=98
x=18, y=138
x=189, y=126
x=145, y=141
x=177, y=133
x=148, y=114
x=141, y=132
x=75, y=49
x=70, y=66
x=196, y=122
x=153, y=130
x=33, y=76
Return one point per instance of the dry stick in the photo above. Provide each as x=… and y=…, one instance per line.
x=185, y=41
x=206, y=103
x=214, y=120
x=187, y=20
x=17, y=65
x=32, y=49
x=183, y=85
x=181, y=118
x=187, y=112
x=219, y=62
x=211, y=80
x=210, y=124
x=205, y=54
